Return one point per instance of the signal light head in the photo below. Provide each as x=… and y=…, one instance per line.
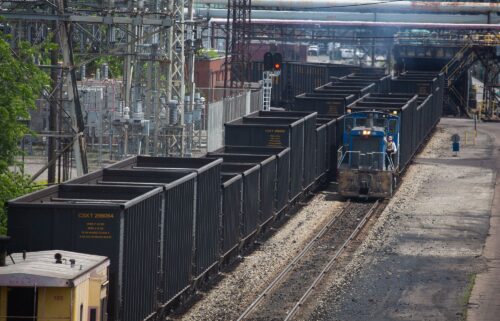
x=272, y=61
x=268, y=61
x=277, y=59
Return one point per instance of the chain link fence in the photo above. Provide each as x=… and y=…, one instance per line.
x=226, y=110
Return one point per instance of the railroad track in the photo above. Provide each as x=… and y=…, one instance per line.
x=284, y=296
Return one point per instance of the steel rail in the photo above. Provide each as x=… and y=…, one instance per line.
x=331, y=262
x=289, y=267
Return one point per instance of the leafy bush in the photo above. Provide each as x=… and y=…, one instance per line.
x=13, y=185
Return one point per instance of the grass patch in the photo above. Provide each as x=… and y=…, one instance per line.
x=466, y=295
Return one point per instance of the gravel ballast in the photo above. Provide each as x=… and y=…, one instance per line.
x=419, y=260
x=237, y=289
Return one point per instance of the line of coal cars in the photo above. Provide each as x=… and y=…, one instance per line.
x=168, y=224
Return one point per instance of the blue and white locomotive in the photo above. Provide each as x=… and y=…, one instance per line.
x=365, y=169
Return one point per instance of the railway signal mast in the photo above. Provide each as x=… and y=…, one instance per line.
x=272, y=68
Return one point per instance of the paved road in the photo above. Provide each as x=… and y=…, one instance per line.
x=484, y=304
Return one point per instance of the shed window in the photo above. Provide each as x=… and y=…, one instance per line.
x=92, y=314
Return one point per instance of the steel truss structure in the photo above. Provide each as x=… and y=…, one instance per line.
x=368, y=40
x=458, y=52
x=238, y=35
x=148, y=37
x=468, y=46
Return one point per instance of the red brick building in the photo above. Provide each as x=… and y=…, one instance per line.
x=209, y=77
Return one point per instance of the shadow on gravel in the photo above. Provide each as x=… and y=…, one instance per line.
x=405, y=287
x=421, y=273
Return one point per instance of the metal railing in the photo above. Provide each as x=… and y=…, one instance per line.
x=379, y=161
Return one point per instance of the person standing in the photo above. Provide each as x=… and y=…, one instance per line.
x=390, y=149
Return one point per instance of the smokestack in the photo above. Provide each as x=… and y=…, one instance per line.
x=4, y=239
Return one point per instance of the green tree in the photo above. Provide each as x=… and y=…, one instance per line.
x=21, y=83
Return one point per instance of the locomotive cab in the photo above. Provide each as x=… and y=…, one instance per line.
x=364, y=167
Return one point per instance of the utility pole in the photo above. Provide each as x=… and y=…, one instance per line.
x=191, y=29
x=176, y=42
x=53, y=111
x=238, y=35
x=75, y=111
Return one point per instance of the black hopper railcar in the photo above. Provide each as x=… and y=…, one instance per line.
x=282, y=180
x=207, y=201
x=179, y=191
x=170, y=223
x=120, y=222
x=273, y=132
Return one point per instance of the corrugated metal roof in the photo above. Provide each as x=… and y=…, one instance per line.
x=40, y=269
